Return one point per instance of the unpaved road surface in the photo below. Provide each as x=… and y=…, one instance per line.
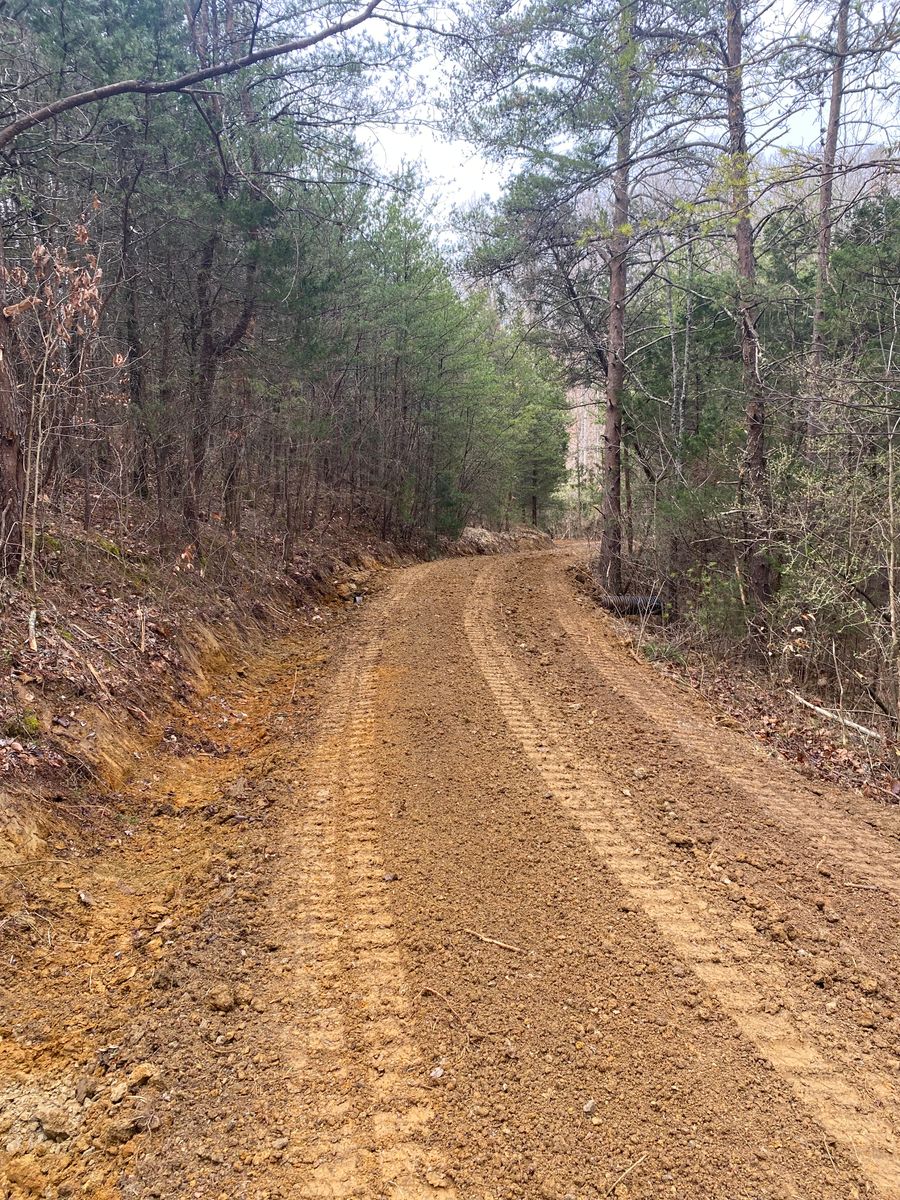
x=491, y=911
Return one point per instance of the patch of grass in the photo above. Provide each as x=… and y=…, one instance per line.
x=110, y=547
x=662, y=652
x=24, y=725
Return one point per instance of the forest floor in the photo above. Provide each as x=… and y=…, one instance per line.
x=453, y=897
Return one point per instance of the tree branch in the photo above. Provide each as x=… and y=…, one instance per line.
x=148, y=87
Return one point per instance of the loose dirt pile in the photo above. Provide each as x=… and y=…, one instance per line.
x=475, y=540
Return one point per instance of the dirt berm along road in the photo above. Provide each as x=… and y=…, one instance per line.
x=525, y=920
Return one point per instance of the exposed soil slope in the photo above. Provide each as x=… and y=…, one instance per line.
x=476, y=907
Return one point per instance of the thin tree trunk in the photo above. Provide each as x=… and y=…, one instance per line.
x=681, y=393
x=12, y=460
x=12, y=455
x=287, y=550
x=629, y=508
x=610, y=557
x=137, y=387
x=754, y=471
x=823, y=232
x=893, y=603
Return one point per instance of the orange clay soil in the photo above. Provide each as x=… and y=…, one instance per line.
x=460, y=900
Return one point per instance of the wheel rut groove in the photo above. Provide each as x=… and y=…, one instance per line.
x=356, y=1056
x=867, y=858
x=799, y=883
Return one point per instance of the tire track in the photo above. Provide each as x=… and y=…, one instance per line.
x=867, y=856
x=355, y=1011
x=848, y=1102
x=736, y=816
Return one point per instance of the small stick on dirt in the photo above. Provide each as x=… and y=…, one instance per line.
x=32, y=630
x=469, y=1031
x=828, y=1151
x=493, y=941
x=110, y=650
x=863, y=887
x=99, y=681
x=427, y=991
x=615, y=1183
x=71, y=649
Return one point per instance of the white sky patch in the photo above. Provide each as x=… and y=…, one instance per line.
x=454, y=171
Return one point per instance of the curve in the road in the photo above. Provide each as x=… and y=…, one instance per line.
x=867, y=857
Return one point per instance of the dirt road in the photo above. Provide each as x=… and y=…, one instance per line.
x=511, y=917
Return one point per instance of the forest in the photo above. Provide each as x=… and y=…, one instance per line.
x=222, y=317
x=219, y=317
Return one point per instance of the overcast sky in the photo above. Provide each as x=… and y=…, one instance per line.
x=455, y=173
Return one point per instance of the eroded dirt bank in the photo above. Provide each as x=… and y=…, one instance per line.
x=476, y=906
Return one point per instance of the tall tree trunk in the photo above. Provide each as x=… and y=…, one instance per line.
x=823, y=232
x=609, y=564
x=754, y=473
x=201, y=391
x=629, y=507
x=137, y=384
x=12, y=460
